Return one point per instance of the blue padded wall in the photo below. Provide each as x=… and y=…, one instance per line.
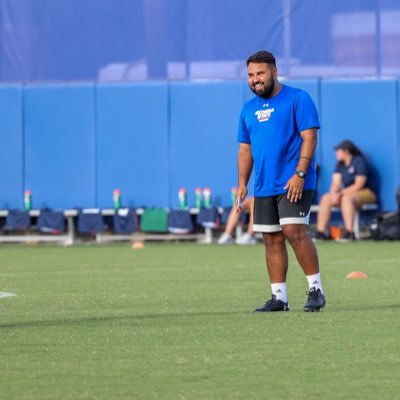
x=398, y=134
x=11, y=160
x=60, y=145
x=132, y=144
x=73, y=144
x=204, y=119
x=366, y=113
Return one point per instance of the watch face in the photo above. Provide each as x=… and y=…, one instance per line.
x=301, y=174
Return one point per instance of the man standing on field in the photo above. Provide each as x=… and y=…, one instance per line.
x=278, y=135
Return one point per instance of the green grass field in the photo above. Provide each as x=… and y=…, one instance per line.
x=175, y=321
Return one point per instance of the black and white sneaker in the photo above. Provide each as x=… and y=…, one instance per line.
x=315, y=300
x=273, y=305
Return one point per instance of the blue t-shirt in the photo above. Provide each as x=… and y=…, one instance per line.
x=272, y=127
x=357, y=167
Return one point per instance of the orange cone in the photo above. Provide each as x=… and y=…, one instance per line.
x=137, y=245
x=356, y=275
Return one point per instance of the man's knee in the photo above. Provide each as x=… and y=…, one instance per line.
x=273, y=239
x=295, y=234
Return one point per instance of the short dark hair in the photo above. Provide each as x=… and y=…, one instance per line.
x=262, y=56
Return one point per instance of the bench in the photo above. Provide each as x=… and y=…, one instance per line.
x=69, y=237
x=366, y=207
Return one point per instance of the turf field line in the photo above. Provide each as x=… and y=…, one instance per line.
x=66, y=272
x=6, y=294
x=187, y=267
x=128, y=268
x=369, y=261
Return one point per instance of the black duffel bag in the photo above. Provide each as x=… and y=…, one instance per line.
x=386, y=226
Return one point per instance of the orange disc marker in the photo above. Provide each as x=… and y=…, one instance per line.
x=356, y=275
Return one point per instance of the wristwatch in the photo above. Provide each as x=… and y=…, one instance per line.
x=300, y=174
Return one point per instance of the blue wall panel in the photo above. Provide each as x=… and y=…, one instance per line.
x=11, y=160
x=132, y=150
x=398, y=134
x=204, y=118
x=150, y=139
x=366, y=113
x=60, y=145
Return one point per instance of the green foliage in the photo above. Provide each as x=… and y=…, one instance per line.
x=176, y=322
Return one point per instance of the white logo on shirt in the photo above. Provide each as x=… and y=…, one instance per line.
x=264, y=115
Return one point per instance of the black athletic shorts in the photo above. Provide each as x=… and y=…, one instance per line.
x=271, y=212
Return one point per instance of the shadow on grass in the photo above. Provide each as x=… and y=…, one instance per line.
x=131, y=318
x=127, y=318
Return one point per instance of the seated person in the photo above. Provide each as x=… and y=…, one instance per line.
x=349, y=190
x=233, y=219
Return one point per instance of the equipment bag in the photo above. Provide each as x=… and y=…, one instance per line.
x=125, y=221
x=208, y=217
x=386, y=226
x=154, y=220
x=180, y=222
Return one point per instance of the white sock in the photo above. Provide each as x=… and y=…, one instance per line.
x=315, y=281
x=279, y=290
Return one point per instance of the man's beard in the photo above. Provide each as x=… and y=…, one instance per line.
x=267, y=90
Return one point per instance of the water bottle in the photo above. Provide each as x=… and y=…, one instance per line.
x=28, y=200
x=198, y=198
x=182, y=195
x=117, y=198
x=233, y=196
x=207, y=197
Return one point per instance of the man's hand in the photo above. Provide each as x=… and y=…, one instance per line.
x=295, y=188
x=241, y=194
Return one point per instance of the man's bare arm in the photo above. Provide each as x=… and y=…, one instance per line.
x=245, y=166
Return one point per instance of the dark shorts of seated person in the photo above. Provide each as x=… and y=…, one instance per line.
x=271, y=212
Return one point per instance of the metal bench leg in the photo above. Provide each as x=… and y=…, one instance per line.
x=357, y=225
x=208, y=235
x=71, y=231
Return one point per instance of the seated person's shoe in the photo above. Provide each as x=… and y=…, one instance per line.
x=320, y=236
x=315, y=300
x=225, y=239
x=273, y=305
x=346, y=236
x=246, y=239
